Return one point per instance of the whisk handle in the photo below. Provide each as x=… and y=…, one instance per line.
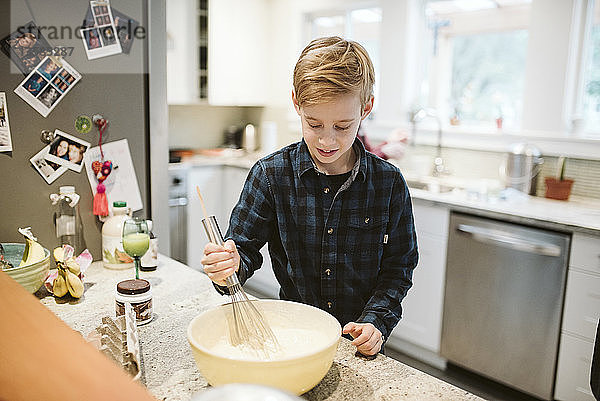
x=213, y=232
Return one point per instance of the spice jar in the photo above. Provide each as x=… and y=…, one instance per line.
x=139, y=294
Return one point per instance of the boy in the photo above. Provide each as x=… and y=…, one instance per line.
x=338, y=219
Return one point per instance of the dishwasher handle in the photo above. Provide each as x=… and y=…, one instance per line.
x=509, y=240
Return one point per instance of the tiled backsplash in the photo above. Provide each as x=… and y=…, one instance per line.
x=475, y=164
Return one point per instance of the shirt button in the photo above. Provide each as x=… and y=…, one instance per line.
x=326, y=190
x=329, y=305
x=330, y=231
x=328, y=271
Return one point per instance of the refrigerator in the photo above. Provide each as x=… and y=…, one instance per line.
x=115, y=86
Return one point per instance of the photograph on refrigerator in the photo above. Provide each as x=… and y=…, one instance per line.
x=98, y=31
x=48, y=170
x=67, y=150
x=45, y=87
x=5, y=139
x=26, y=47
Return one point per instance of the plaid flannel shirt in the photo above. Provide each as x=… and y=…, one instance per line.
x=354, y=258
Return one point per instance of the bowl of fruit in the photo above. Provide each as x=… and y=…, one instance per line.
x=28, y=263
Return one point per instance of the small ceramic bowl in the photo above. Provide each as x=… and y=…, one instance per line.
x=29, y=276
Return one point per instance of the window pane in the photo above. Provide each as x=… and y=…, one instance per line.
x=327, y=26
x=487, y=77
x=591, y=95
x=365, y=28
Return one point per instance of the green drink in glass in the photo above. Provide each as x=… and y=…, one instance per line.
x=136, y=240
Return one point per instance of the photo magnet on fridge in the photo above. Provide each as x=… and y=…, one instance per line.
x=26, y=47
x=48, y=170
x=67, y=150
x=125, y=27
x=98, y=33
x=47, y=85
x=5, y=138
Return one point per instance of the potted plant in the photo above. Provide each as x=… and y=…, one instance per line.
x=559, y=187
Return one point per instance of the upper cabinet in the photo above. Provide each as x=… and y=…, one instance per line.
x=217, y=52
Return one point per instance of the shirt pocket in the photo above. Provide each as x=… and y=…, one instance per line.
x=364, y=241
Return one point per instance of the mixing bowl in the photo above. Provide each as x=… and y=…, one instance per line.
x=30, y=276
x=297, y=374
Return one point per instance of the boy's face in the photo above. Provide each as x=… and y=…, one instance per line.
x=329, y=130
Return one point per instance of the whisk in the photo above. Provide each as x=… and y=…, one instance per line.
x=248, y=327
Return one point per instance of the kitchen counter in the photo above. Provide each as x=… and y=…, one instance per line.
x=170, y=373
x=575, y=215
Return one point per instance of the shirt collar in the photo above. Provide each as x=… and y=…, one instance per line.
x=304, y=161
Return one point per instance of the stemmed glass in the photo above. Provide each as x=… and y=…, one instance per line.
x=136, y=240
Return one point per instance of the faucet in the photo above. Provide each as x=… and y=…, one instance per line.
x=420, y=115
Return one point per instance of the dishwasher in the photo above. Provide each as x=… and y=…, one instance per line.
x=503, y=301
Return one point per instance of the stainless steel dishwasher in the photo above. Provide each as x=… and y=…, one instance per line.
x=503, y=301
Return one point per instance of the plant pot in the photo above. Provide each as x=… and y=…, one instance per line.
x=558, y=189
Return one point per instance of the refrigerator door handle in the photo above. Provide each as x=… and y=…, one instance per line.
x=509, y=240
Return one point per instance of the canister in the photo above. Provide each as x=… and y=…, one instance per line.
x=138, y=293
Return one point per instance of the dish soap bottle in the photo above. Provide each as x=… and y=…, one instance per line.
x=113, y=255
x=67, y=218
x=150, y=258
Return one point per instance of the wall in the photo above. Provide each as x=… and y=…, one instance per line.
x=202, y=126
x=113, y=86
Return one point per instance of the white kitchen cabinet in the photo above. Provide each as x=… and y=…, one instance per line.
x=233, y=183
x=209, y=179
x=573, y=373
x=226, y=64
x=580, y=319
x=421, y=322
x=237, y=52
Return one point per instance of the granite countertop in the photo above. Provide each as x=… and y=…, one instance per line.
x=180, y=293
x=576, y=215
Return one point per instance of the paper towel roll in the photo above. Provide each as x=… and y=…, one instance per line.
x=268, y=136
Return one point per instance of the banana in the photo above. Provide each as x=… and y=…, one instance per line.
x=73, y=266
x=59, y=287
x=74, y=284
x=59, y=254
x=34, y=252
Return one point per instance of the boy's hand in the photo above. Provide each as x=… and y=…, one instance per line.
x=220, y=262
x=367, y=338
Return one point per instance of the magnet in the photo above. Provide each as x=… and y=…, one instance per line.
x=46, y=136
x=83, y=124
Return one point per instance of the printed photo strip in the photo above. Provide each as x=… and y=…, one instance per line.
x=45, y=86
x=125, y=26
x=48, y=170
x=67, y=150
x=5, y=138
x=26, y=47
x=99, y=34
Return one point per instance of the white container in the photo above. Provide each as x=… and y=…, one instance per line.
x=113, y=255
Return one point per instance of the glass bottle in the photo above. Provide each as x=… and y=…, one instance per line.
x=113, y=255
x=67, y=219
x=150, y=258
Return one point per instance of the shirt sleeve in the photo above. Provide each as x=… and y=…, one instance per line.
x=251, y=223
x=400, y=256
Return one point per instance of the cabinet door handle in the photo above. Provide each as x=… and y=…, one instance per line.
x=509, y=240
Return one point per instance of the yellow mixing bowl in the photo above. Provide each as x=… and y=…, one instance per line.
x=296, y=374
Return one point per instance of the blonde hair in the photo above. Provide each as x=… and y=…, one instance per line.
x=332, y=66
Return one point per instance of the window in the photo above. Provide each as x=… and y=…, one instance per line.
x=591, y=89
x=362, y=25
x=487, y=78
x=477, y=59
